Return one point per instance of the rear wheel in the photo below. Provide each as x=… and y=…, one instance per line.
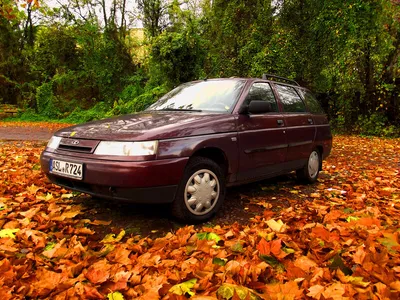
x=201, y=191
x=309, y=173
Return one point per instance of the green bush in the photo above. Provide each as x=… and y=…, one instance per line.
x=177, y=57
x=31, y=115
x=376, y=124
x=134, y=88
x=138, y=103
x=46, y=102
x=79, y=115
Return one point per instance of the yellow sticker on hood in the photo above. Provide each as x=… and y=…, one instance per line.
x=72, y=133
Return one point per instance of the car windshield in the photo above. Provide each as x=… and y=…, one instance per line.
x=207, y=95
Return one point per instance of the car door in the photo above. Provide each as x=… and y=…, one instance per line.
x=262, y=138
x=300, y=127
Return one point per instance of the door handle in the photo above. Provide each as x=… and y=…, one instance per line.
x=280, y=122
x=310, y=121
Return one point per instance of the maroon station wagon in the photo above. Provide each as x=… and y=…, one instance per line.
x=195, y=141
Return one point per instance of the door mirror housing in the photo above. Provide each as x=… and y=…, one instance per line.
x=259, y=107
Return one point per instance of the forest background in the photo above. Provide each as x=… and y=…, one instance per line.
x=82, y=60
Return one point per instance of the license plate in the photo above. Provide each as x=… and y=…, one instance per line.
x=67, y=169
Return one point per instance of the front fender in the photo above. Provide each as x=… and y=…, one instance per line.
x=187, y=146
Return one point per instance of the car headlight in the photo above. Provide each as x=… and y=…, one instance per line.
x=127, y=148
x=54, y=142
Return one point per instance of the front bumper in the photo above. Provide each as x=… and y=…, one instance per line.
x=152, y=181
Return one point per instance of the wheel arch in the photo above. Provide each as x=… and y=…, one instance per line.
x=215, y=154
x=321, y=151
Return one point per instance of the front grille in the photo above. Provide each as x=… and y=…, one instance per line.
x=75, y=148
x=78, y=145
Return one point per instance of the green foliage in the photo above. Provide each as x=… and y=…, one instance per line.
x=236, y=31
x=46, y=102
x=138, y=103
x=11, y=60
x=177, y=56
x=104, y=62
x=54, y=52
x=358, y=48
x=377, y=125
x=79, y=115
x=153, y=16
x=272, y=59
x=135, y=86
x=29, y=114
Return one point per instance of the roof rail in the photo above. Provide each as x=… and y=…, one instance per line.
x=266, y=76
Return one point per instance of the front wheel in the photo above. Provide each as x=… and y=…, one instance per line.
x=309, y=173
x=201, y=191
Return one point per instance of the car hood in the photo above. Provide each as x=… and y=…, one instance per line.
x=152, y=126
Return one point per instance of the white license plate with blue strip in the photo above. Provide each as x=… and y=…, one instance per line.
x=66, y=169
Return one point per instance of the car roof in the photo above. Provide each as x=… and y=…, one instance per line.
x=252, y=79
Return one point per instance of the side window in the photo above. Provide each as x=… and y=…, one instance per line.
x=290, y=99
x=312, y=103
x=262, y=91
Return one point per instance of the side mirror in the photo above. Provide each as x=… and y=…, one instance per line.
x=259, y=107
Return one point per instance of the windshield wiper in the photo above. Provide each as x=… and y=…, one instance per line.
x=181, y=109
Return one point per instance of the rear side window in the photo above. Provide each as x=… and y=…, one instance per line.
x=290, y=99
x=312, y=103
x=262, y=91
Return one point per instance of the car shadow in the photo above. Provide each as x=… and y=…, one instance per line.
x=154, y=220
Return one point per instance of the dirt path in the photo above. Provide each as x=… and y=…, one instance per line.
x=25, y=134
x=28, y=131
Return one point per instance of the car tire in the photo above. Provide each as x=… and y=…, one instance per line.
x=201, y=191
x=309, y=173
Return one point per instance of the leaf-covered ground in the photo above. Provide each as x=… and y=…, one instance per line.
x=337, y=239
